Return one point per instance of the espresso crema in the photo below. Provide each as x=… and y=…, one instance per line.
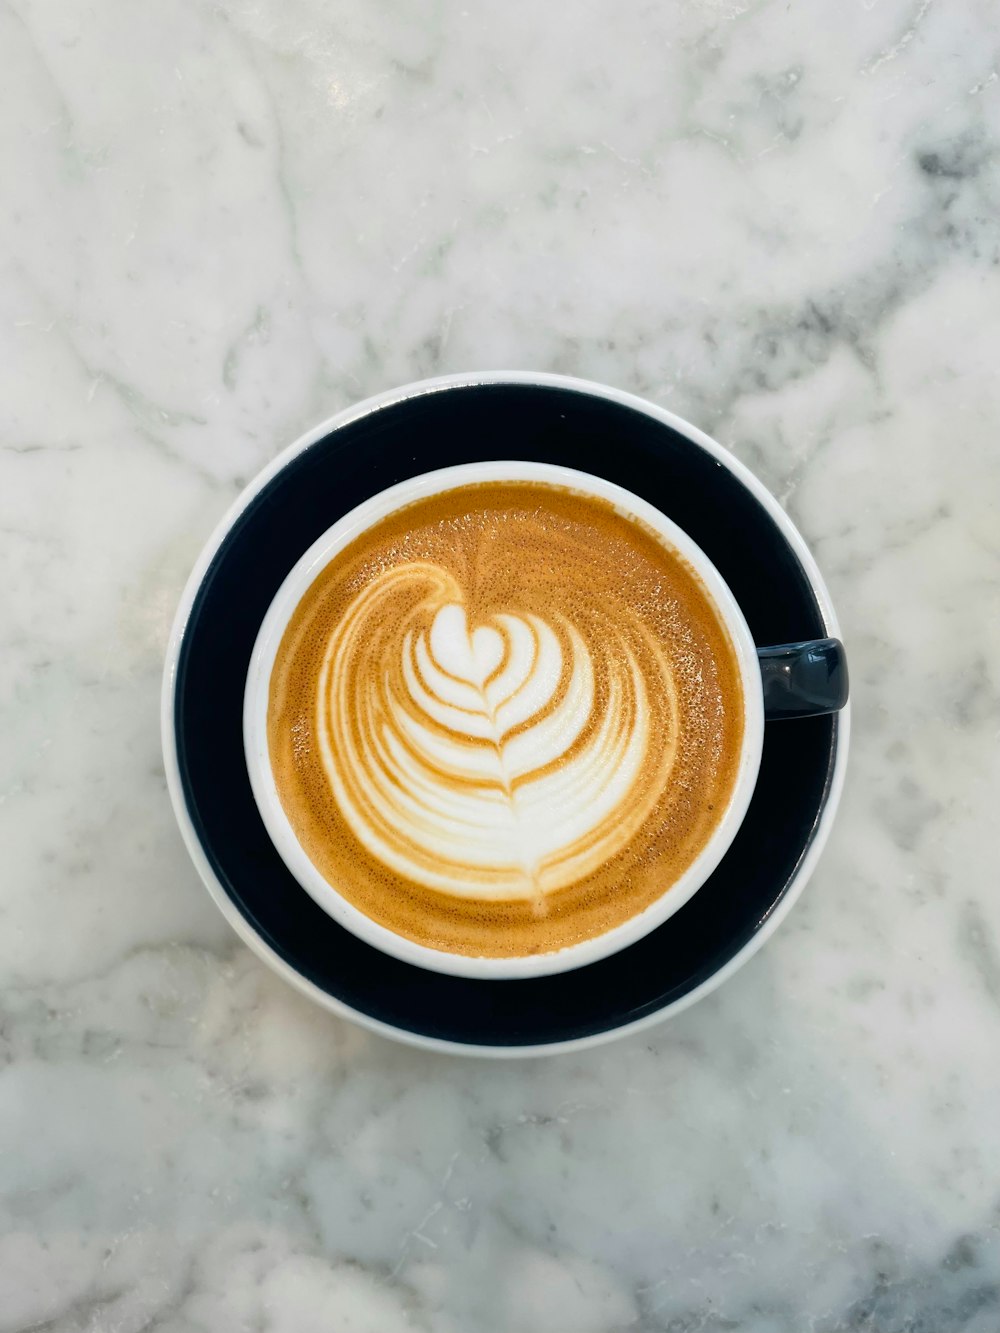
x=505, y=719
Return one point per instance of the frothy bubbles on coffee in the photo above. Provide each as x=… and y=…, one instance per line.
x=505, y=719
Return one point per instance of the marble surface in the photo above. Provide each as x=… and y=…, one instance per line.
x=222, y=222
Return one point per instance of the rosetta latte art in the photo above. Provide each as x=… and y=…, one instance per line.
x=496, y=760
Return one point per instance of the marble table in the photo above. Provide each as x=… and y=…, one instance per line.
x=223, y=222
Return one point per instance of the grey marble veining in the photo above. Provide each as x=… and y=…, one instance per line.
x=220, y=224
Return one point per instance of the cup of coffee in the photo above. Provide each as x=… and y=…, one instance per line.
x=504, y=719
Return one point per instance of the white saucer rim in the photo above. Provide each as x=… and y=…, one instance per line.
x=235, y=917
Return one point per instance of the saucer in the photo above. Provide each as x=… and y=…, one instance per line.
x=436, y=424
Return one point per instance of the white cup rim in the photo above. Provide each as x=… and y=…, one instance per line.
x=262, y=782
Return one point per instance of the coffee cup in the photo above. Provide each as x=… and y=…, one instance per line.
x=786, y=681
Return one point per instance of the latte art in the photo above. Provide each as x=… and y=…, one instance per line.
x=479, y=760
x=504, y=719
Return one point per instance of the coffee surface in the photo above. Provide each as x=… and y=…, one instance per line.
x=505, y=719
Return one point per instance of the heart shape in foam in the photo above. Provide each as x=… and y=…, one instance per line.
x=471, y=657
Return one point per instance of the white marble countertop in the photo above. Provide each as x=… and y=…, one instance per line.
x=220, y=224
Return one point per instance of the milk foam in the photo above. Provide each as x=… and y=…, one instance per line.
x=475, y=759
x=504, y=719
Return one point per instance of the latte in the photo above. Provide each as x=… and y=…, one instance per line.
x=505, y=719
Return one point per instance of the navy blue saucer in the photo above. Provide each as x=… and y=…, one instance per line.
x=465, y=424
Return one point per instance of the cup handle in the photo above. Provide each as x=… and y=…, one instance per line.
x=803, y=679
